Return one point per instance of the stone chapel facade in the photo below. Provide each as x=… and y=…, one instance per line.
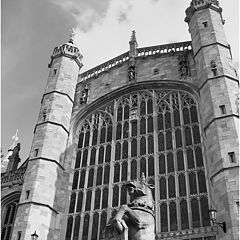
x=168, y=111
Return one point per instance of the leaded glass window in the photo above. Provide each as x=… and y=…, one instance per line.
x=152, y=131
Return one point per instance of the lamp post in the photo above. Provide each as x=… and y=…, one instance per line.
x=34, y=236
x=213, y=218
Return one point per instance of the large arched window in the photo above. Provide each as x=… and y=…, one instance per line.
x=154, y=131
x=9, y=209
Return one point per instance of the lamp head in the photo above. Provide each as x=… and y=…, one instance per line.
x=212, y=215
x=34, y=236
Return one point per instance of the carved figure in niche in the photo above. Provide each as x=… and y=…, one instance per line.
x=213, y=64
x=131, y=70
x=134, y=221
x=84, y=97
x=131, y=73
x=214, y=68
x=183, y=67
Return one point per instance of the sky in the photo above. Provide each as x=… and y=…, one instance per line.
x=31, y=29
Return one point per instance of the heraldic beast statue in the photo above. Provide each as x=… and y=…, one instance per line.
x=133, y=221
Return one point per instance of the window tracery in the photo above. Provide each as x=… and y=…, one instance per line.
x=151, y=131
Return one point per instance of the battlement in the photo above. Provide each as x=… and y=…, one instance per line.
x=201, y=4
x=141, y=52
x=68, y=51
x=13, y=177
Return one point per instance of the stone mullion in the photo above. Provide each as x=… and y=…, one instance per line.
x=111, y=172
x=81, y=225
x=194, y=159
x=175, y=164
x=185, y=162
x=73, y=225
x=98, y=227
x=129, y=153
x=209, y=197
x=90, y=225
x=156, y=165
x=138, y=138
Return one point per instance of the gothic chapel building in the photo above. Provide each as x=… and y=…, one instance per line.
x=168, y=111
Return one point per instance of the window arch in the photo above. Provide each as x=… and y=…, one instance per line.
x=154, y=131
x=9, y=209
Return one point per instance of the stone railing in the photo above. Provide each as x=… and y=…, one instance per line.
x=13, y=176
x=117, y=61
x=166, y=48
x=141, y=52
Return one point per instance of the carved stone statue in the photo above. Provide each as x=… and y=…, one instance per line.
x=134, y=221
x=84, y=97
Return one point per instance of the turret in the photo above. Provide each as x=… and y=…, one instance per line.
x=218, y=87
x=42, y=203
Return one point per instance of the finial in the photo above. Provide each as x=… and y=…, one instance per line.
x=133, y=45
x=72, y=35
x=133, y=37
x=15, y=139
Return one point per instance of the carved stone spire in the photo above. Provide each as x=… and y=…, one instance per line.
x=132, y=55
x=14, y=159
x=5, y=162
x=133, y=45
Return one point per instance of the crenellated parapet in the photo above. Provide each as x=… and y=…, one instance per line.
x=67, y=50
x=202, y=4
x=12, y=178
x=141, y=53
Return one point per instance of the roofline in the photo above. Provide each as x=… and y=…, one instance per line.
x=141, y=52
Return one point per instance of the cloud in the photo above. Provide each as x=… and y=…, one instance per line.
x=90, y=13
x=123, y=11
x=85, y=13
x=123, y=17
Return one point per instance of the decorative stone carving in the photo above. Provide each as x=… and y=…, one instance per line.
x=183, y=67
x=84, y=97
x=135, y=220
x=131, y=70
x=214, y=67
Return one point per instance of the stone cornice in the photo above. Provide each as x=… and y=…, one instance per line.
x=219, y=118
x=61, y=93
x=212, y=44
x=222, y=170
x=221, y=76
x=49, y=160
x=39, y=204
x=54, y=123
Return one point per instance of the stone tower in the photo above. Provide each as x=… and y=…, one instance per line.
x=42, y=201
x=218, y=86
